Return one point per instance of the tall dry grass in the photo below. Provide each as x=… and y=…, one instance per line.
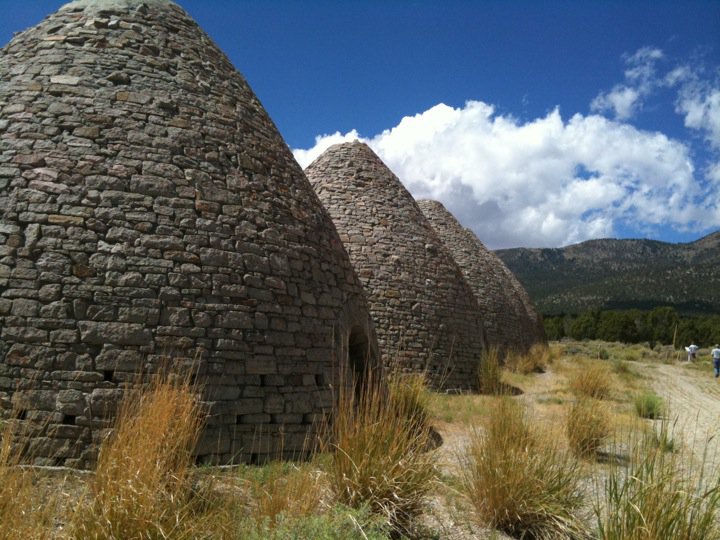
x=587, y=427
x=592, y=380
x=659, y=495
x=535, y=360
x=143, y=483
x=519, y=482
x=379, y=444
x=490, y=373
x=25, y=511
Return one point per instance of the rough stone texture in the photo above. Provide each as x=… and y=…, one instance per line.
x=149, y=209
x=425, y=313
x=511, y=322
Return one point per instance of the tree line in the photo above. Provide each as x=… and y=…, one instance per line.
x=661, y=325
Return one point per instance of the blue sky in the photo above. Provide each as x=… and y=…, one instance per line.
x=536, y=123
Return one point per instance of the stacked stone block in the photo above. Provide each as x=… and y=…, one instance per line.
x=425, y=313
x=149, y=209
x=511, y=321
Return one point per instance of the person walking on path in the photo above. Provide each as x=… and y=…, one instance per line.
x=692, y=351
x=715, y=353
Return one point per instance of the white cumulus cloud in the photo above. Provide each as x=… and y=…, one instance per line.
x=322, y=143
x=625, y=100
x=622, y=100
x=546, y=182
x=701, y=110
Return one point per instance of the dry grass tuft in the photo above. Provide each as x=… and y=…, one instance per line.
x=410, y=399
x=659, y=495
x=25, y=512
x=592, y=381
x=587, y=427
x=520, y=483
x=143, y=484
x=536, y=360
x=379, y=445
x=490, y=373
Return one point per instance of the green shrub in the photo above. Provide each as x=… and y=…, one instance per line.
x=649, y=405
x=631, y=355
x=340, y=523
x=621, y=367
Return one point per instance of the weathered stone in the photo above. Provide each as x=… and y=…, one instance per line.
x=22, y=334
x=64, y=220
x=150, y=213
x=88, y=132
x=120, y=360
x=402, y=264
x=71, y=402
x=65, y=79
x=100, y=333
x=511, y=322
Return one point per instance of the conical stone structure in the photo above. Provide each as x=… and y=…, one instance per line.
x=511, y=322
x=425, y=313
x=149, y=209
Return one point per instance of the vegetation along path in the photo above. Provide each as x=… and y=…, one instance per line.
x=693, y=397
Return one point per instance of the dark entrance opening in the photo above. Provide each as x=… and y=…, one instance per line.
x=358, y=352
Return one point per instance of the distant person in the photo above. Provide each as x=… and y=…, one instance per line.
x=715, y=353
x=692, y=352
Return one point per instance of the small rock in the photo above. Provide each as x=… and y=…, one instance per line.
x=70, y=80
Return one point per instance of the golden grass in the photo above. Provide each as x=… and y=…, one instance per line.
x=143, y=483
x=25, y=511
x=517, y=475
x=592, y=380
x=379, y=446
x=536, y=360
x=464, y=410
x=587, y=427
x=519, y=482
x=490, y=373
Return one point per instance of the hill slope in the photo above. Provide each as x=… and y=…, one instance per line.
x=621, y=274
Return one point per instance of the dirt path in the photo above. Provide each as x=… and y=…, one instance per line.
x=691, y=392
x=693, y=396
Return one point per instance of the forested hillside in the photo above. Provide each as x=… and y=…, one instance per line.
x=621, y=274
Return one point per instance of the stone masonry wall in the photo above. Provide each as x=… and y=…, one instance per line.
x=425, y=313
x=511, y=322
x=149, y=209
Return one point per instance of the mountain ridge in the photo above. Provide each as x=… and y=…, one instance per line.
x=612, y=273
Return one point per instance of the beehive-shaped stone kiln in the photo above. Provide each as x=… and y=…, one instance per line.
x=425, y=313
x=511, y=322
x=149, y=209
